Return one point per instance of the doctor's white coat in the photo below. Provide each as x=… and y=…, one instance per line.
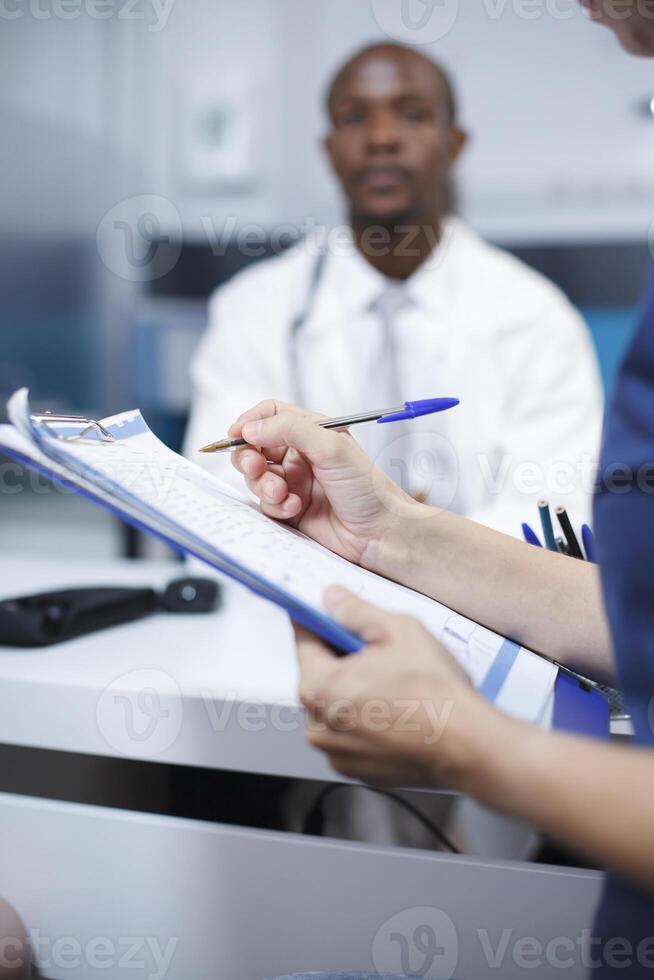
x=478, y=324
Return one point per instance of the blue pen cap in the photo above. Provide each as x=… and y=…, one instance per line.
x=428, y=406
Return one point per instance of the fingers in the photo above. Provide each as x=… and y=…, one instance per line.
x=316, y=663
x=268, y=483
x=265, y=410
x=271, y=488
x=299, y=431
x=271, y=484
x=284, y=488
x=280, y=433
x=274, y=498
x=250, y=463
x=370, y=622
x=321, y=675
x=286, y=510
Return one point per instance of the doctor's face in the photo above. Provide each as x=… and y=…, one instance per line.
x=632, y=21
x=392, y=142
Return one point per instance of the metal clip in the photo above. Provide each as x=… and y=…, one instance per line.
x=90, y=425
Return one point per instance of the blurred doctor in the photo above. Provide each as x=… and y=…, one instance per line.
x=406, y=302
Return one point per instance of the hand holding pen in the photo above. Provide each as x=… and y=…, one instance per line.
x=319, y=481
x=409, y=410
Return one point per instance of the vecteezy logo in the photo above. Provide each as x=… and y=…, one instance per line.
x=140, y=713
x=416, y=21
x=424, y=464
x=417, y=942
x=139, y=239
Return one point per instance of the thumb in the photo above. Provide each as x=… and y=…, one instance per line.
x=316, y=663
x=370, y=622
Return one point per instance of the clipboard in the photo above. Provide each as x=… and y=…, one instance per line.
x=340, y=639
x=510, y=667
x=578, y=708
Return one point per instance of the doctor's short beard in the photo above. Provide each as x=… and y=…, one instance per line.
x=397, y=222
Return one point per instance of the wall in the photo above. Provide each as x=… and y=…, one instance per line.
x=92, y=114
x=94, y=109
x=560, y=145
x=58, y=162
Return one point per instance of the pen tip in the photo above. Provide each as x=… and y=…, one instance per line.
x=215, y=447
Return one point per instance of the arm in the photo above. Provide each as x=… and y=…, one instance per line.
x=454, y=738
x=322, y=483
x=552, y=417
x=547, y=602
x=594, y=797
x=357, y=706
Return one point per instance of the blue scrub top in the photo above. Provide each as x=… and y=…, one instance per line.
x=624, y=524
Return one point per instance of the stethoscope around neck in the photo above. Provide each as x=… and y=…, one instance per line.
x=299, y=320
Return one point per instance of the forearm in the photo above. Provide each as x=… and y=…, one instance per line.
x=576, y=790
x=547, y=602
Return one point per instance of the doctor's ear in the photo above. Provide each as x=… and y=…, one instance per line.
x=326, y=146
x=458, y=141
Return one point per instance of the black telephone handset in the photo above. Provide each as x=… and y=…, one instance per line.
x=52, y=617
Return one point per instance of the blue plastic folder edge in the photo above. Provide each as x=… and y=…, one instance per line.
x=579, y=709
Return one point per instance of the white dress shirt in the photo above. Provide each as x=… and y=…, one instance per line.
x=471, y=322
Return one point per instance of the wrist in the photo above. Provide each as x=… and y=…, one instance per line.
x=498, y=748
x=391, y=544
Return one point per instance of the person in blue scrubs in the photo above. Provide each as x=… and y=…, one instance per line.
x=594, y=797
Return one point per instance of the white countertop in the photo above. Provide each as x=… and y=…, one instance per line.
x=215, y=690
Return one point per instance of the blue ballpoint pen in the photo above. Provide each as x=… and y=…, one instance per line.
x=410, y=410
x=588, y=539
x=530, y=536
